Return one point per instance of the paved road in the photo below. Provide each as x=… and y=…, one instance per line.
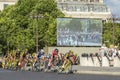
x=27, y=75
x=98, y=70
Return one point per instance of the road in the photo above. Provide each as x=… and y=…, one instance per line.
x=28, y=75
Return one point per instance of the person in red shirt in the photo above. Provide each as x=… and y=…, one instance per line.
x=55, y=54
x=54, y=57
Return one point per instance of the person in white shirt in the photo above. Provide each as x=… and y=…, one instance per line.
x=104, y=50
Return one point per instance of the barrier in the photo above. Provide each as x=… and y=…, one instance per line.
x=87, y=59
x=116, y=62
x=94, y=61
x=105, y=62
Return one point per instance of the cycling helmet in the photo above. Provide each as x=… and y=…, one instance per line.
x=41, y=50
x=56, y=50
x=70, y=51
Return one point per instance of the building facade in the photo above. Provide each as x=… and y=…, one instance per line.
x=5, y=3
x=76, y=8
x=84, y=9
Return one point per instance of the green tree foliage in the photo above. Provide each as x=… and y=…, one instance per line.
x=111, y=33
x=17, y=28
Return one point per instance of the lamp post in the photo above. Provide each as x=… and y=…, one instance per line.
x=36, y=16
x=8, y=46
x=113, y=31
x=112, y=19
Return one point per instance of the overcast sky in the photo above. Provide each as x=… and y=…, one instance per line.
x=114, y=6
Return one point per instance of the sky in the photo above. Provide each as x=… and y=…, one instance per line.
x=114, y=6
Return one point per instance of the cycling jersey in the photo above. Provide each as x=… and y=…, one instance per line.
x=54, y=54
x=67, y=55
x=40, y=55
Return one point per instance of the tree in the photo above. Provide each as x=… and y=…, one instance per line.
x=108, y=33
x=47, y=27
x=18, y=29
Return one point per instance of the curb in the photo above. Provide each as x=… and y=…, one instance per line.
x=99, y=73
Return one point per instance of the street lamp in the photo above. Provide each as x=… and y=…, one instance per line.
x=112, y=19
x=113, y=31
x=36, y=16
x=8, y=46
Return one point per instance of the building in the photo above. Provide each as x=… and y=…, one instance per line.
x=84, y=9
x=4, y=3
x=76, y=8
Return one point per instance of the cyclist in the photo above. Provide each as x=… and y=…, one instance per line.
x=41, y=57
x=67, y=60
x=72, y=57
x=54, y=57
x=22, y=60
x=41, y=54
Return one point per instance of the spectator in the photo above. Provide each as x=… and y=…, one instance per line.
x=103, y=50
x=111, y=50
x=119, y=52
x=115, y=51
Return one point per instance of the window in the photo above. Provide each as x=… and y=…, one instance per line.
x=86, y=0
x=85, y=8
x=5, y=5
x=103, y=9
x=82, y=0
x=64, y=7
x=97, y=1
x=78, y=8
x=96, y=9
x=75, y=0
x=70, y=8
x=91, y=0
x=60, y=7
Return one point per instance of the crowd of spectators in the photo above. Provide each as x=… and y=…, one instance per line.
x=111, y=51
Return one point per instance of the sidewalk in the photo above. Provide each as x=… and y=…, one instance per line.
x=97, y=70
